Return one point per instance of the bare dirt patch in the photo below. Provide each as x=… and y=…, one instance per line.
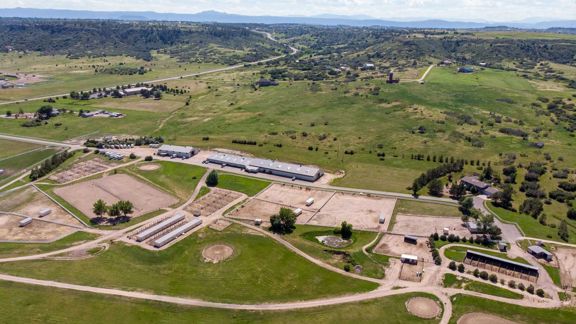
x=394, y=245
x=423, y=307
x=37, y=231
x=217, y=253
x=149, y=167
x=567, y=261
x=220, y=225
x=482, y=318
x=295, y=196
x=113, y=188
x=359, y=210
x=426, y=225
x=215, y=200
x=80, y=170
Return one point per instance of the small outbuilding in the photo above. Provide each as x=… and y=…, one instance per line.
x=472, y=227
x=410, y=259
x=502, y=246
x=297, y=211
x=258, y=222
x=410, y=239
x=25, y=222
x=183, y=152
x=540, y=253
x=44, y=212
x=309, y=201
x=381, y=218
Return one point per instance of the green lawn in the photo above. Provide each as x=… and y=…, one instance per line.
x=14, y=165
x=457, y=253
x=246, y=185
x=452, y=281
x=462, y=304
x=554, y=273
x=304, y=238
x=21, y=249
x=531, y=226
x=48, y=305
x=177, y=178
x=407, y=206
x=9, y=148
x=261, y=270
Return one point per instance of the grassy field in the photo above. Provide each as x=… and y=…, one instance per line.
x=452, y=281
x=257, y=272
x=246, y=185
x=405, y=206
x=457, y=253
x=177, y=178
x=554, y=273
x=16, y=164
x=304, y=238
x=530, y=226
x=10, y=148
x=21, y=249
x=462, y=304
x=64, y=306
x=61, y=75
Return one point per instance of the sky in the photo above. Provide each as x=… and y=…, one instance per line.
x=462, y=10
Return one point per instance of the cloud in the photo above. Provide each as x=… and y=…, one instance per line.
x=488, y=10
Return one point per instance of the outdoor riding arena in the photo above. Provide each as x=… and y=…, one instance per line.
x=426, y=225
x=146, y=198
x=329, y=208
x=80, y=170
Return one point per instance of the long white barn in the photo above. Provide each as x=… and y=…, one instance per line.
x=255, y=165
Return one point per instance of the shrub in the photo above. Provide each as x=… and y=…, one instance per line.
x=530, y=289
x=476, y=273
x=132, y=156
x=540, y=292
x=484, y=275
x=86, y=150
x=212, y=179
x=438, y=260
x=347, y=267
x=148, y=158
x=521, y=286
x=512, y=284
x=461, y=268
x=435, y=236
x=493, y=278
x=452, y=266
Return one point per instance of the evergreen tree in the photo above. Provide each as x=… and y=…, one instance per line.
x=212, y=179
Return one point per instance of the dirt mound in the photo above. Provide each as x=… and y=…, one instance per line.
x=149, y=167
x=481, y=318
x=423, y=307
x=217, y=253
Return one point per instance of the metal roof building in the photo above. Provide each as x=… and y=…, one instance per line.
x=183, y=152
x=289, y=170
x=473, y=256
x=540, y=252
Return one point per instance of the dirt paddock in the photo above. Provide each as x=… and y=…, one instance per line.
x=394, y=245
x=215, y=200
x=37, y=231
x=79, y=170
x=295, y=196
x=426, y=225
x=30, y=202
x=482, y=318
x=423, y=307
x=567, y=260
x=217, y=253
x=361, y=211
x=113, y=188
x=256, y=208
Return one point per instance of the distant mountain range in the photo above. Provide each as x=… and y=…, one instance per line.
x=329, y=20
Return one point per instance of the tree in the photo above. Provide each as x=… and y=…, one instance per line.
x=504, y=198
x=452, y=266
x=283, y=222
x=540, y=292
x=532, y=207
x=435, y=188
x=114, y=210
x=493, y=278
x=571, y=213
x=466, y=205
x=457, y=191
x=484, y=275
x=530, y=289
x=563, y=231
x=476, y=273
x=487, y=173
x=521, y=286
x=461, y=268
x=512, y=284
x=126, y=207
x=346, y=230
x=212, y=180
x=99, y=208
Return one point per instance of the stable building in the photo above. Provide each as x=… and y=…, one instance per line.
x=256, y=165
x=174, y=151
x=501, y=265
x=540, y=253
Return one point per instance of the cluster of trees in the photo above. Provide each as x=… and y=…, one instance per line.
x=244, y=142
x=50, y=164
x=435, y=174
x=119, y=211
x=284, y=222
x=185, y=41
x=136, y=141
x=452, y=266
x=435, y=254
x=513, y=132
x=123, y=70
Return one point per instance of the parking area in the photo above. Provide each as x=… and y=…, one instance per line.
x=426, y=225
x=361, y=211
